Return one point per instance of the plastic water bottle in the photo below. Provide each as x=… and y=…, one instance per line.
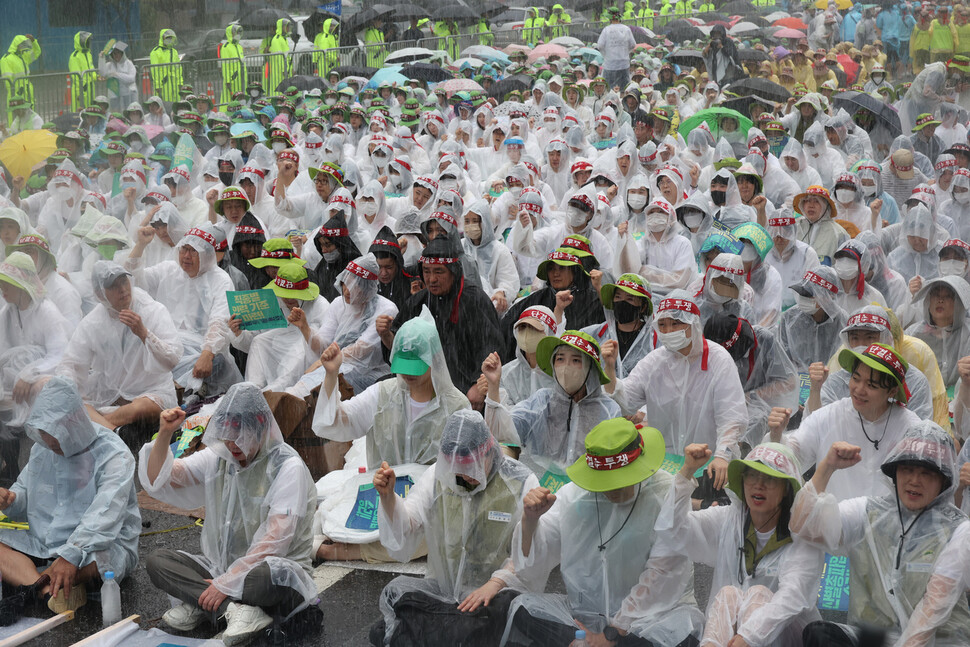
x=580, y=639
x=111, y=600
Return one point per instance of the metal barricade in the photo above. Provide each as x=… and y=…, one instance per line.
x=50, y=94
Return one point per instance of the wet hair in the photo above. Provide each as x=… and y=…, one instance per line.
x=881, y=380
x=721, y=327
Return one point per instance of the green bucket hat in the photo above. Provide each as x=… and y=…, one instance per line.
x=291, y=282
x=618, y=455
x=231, y=193
x=562, y=256
x=924, y=120
x=576, y=339
x=632, y=284
x=328, y=168
x=882, y=358
x=277, y=252
x=773, y=459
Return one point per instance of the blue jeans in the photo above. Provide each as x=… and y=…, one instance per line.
x=617, y=78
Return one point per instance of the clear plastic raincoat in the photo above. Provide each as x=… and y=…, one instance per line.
x=948, y=343
x=805, y=339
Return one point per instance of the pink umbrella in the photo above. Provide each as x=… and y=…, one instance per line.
x=788, y=32
x=548, y=50
x=452, y=86
x=515, y=47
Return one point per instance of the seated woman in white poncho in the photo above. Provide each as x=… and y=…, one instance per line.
x=259, y=500
x=623, y=582
x=765, y=582
x=466, y=509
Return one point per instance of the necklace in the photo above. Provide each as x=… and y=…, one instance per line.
x=875, y=443
x=629, y=514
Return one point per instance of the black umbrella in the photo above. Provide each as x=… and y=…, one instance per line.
x=711, y=16
x=758, y=20
x=761, y=87
x=455, y=12
x=491, y=8
x=313, y=24
x=261, y=20
x=752, y=55
x=743, y=104
x=854, y=101
x=517, y=82
x=737, y=8
x=410, y=11
x=640, y=35
x=361, y=18
x=426, y=72
x=304, y=83
x=686, y=58
x=355, y=70
x=681, y=30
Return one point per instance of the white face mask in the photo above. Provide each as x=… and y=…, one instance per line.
x=254, y=93
x=806, y=304
x=674, y=341
x=962, y=197
x=570, y=379
x=330, y=257
x=516, y=191
x=845, y=196
x=368, y=209
x=717, y=298
x=331, y=156
x=62, y=192
x=448, y=184
x=748, y=253
x=846, y=268
x=868, y=191
x=330, y=102
x=279, y=147
x=396, y=181
x=693, y=220
x=636, y=201
x=380, y=162
x=953, y=267
x=656, y=222
x=576, y=217
x=473, y=231
x=220, y=139
x=137, y=145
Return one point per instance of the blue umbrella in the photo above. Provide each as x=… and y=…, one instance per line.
x=388, y=75
x=250, y=126
x=588, y=54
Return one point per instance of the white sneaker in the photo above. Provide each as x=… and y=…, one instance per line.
x=184, y=617
x=242, y=621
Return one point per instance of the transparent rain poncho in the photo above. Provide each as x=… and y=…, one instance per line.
x=159, y=250
x=519, y=380
x=949, y=343
x=664, y=258
x=496, y=267
x=198, y=308
x=919, y=223
x=804, y=339
x=697, y=398
x=786, y=578
x=109, y=362
x=81, y=503
x=827, y=161
x=638, y=582
x=468, y=529
x=260, y=513
x=836, y=385
x=805, y=175
x=869, y=170
x=853, y=263
x=958, y=207
x=892, y=550
x=855, y=210
x=882, y=277
x=700, y=147
x=382, y=413
x=794, y=260
x=550, y=426
x=730, y=267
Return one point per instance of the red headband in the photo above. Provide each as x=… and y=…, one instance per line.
x=679, y=304
x=812, y=277
x=615, y=461
x=867, y=318
x=539, y=315
x=290, y=285
x=362, y=272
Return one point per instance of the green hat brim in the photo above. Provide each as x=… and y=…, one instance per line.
x=736, y=475
x=646, y=465
x=7, y=279
x=261, y=262
x=542, y=271
x=848, y=357
x=402, y=365
x=313, y=171
x=934, y=122
x=548, y=345
x=608, y=291
x=217, y=207
x=16, y=247
x=309, y=294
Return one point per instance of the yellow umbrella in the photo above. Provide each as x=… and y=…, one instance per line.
x=841, y=5
x=25, y=150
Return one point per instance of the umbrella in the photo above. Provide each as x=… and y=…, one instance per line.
x=410, y=11
x=261, y=20
x=474, y=62
x=588, y=54
x=744, y=28
x=740, y=7
x=390, y=75
x=743, y=104
x=791, y=22
x=457, y=85
x=354, y=70
x=642, y=35
x=711, y=16
x=761, y=87
x=548, y=51
x=425, y=72
x=303, y=83
x=408, y=54
x=26, y=150
x=486, y=53
x=681, y=30
x=515, y=47
x=357, y=21
x=517, y=82
x=253, y=127
x=775, y=16
x=841, y=5
x=854, y=101
x=313, y=24
x=712, y=116
x=455, y=12
x=686, y=58
x=788, y=32
x=567, y=41
x=756, y=55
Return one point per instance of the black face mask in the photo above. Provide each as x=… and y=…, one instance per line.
x=626, y=312
x=719, y=197
x=226, y=178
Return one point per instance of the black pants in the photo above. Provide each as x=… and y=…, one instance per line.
x=425, y=621
x=548, y=633
x=831, y=634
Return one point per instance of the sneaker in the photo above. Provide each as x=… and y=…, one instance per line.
x=61, y=603
x=242, y=621
x=184, y=617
